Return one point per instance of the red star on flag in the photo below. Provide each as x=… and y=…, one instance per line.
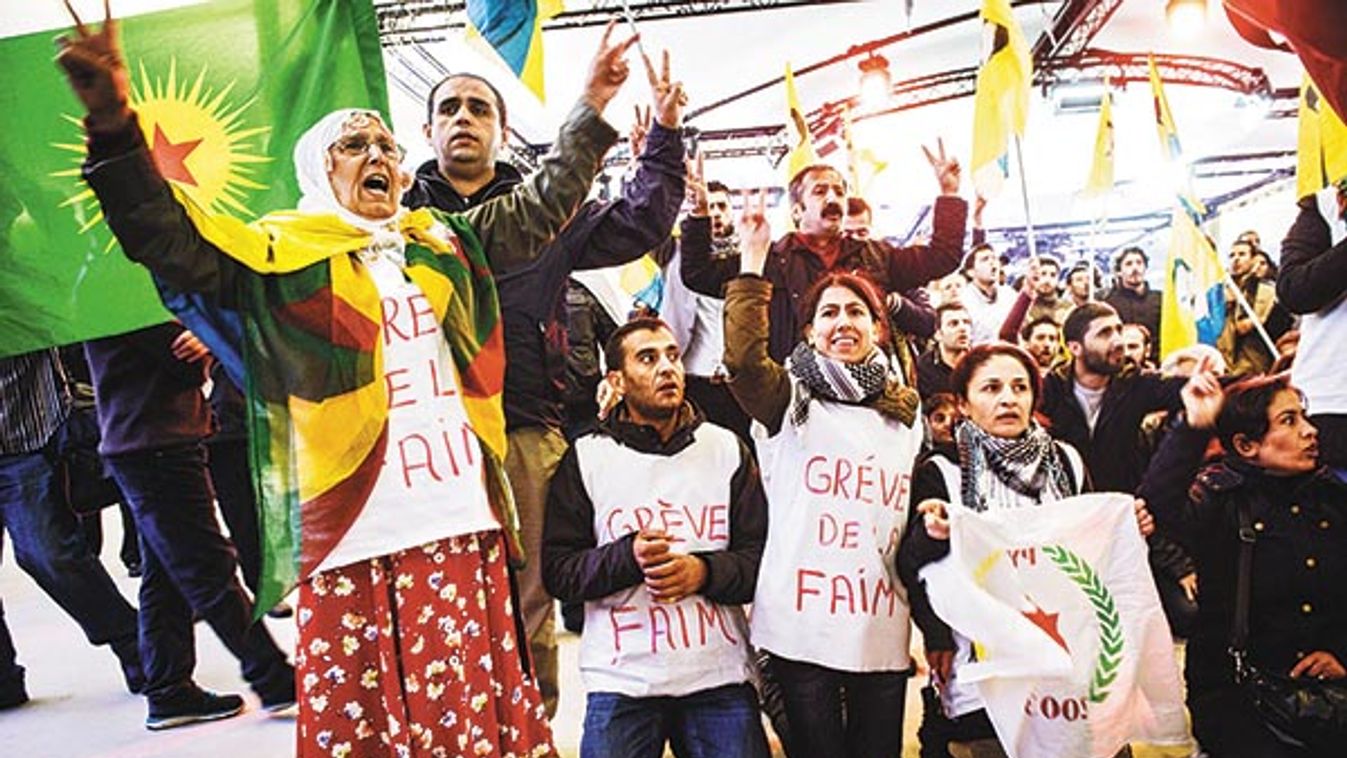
x=1047, y=622
x=171, y=158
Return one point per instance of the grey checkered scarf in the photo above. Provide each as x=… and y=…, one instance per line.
x=1028, y=464
x=869, y=382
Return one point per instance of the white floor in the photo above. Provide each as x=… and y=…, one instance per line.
x=80, y=708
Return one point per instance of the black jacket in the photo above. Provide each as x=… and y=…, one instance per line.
x=792, y=268
x=1298, y=598
x=532, y=301
x=1313, y=270
x=575, y=568
x=1141, y=309
x=1113, y=454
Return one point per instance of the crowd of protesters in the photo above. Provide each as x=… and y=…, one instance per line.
x=656, y=470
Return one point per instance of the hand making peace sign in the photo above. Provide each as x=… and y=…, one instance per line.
x=947, y=170
x=93, y=63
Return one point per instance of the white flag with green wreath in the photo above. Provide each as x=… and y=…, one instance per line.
x=1073, y=656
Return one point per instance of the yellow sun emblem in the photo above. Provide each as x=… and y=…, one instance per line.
x=197, y=139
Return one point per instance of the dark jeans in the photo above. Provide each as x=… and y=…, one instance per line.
x=49, y=547
x=189, y=568
x=92, y=526
x=841, y=714
x=232, y=479
x=1226, y=725
x=714, y=399
x=722, y=722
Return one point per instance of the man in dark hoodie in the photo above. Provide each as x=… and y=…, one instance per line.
x=656, y=521
x=466, y=121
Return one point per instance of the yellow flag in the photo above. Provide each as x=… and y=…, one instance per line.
x=1192, y=306
x=1001, y=102
x=1333, y=133
x=513, y=30
x=1310, y=170
x=802, y=151
x=1100, y=180
x=1169, y=145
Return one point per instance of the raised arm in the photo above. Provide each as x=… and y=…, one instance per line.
x=644, y=215
x=515, y=227
x=137, y=202
x=1313, y=269
x=758, y=383
x=910, y=267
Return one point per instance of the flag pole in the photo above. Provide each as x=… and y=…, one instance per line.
x=1024, y=192
x=1248, y=311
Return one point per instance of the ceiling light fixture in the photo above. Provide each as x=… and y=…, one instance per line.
x=876, y=84
x=1186, y=17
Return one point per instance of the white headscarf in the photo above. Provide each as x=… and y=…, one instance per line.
x=316, y=196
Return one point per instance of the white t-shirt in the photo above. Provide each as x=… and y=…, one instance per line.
x=430, y=486
x=987, y=314
x=1090, y=402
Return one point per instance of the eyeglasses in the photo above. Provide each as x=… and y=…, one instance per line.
x=359, y=144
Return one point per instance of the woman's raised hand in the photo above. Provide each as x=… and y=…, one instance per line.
x=93, y=63
x=936, y=516
x=1202, y=396
x=755, y=235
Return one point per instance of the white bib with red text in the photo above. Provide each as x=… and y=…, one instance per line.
x=837, y=493
x=632, y=645
x=430, y=486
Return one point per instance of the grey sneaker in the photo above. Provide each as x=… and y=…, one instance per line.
x=191, y=707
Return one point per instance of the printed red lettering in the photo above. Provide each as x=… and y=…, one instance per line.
x=426, y=462
x=656, y=612
x=865, y=483
x=618, y=626
x=851, y=533
x=436, y=387
x=389, y=312
x=1016, y=554
x=420, y=309
x=843, y=471
x=393, y=389
x=801, y=590
x=720, y=522
x=819, y=484
x=449, y=450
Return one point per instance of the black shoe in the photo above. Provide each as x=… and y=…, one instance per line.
x=192, y=706
x=281, y=610
x=280, y=696
x=12, y=692
x=134, y=570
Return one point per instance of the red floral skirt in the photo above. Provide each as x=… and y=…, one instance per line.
x=415, y=654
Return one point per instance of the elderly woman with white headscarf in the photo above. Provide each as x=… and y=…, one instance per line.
x=368, y=340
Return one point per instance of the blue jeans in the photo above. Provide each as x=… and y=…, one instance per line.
x=49, y=547
x=722, y=722
x=189, y=569
x=842, y=714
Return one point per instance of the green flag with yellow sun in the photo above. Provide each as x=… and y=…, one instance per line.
x=223, y=89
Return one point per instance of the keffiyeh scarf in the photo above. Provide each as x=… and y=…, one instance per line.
x=869, y=382
x=1030, y=464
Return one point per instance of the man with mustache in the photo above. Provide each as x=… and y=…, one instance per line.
x=466, y=124
x=1096, y=401
x=818, y=202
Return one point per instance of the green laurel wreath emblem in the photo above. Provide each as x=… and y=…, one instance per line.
x=1105, y=612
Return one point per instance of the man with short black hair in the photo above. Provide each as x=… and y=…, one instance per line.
x=1132, y=297
x=1137, y=346
x=1096, y=401
x=1042, y=338
x=1082, y=283
x=466, y=126
x=656, y=521
x=1241, y=344
x=818, y=198
x=952, y=342
x=987, y=301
